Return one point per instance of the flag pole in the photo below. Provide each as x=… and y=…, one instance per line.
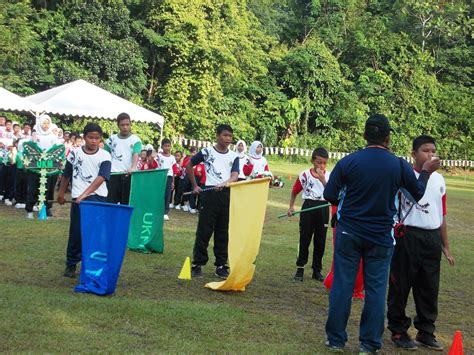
x=305, y=210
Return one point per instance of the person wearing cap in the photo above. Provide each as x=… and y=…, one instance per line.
x=363, y=185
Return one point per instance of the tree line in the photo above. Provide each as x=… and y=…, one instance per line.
x=287, y=72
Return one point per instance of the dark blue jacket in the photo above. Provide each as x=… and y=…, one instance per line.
x=364, y=185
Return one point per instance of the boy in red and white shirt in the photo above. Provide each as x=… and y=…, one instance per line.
x=417, y=255
x=312, y=182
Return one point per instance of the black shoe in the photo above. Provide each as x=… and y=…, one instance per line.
x=70, y=271
x=428, y=341
x=49, y=213
x=222, y=272
x=403, y=341
x=299, y=274
x=196, y=271
x=317, y=276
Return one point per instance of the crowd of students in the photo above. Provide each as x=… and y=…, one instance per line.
x=362, y=185
x=18, y=186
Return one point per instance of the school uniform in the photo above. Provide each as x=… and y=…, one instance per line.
x=312, y=223
x=121, y=150
x=214, y=205
x=83, y=168
x=416, y=260
x=20, y=180
x=167, y=162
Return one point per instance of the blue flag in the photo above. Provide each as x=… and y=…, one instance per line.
x=104, y=234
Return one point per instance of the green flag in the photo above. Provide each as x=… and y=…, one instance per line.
x=147, y=196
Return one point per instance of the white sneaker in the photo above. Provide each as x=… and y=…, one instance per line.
x=193, y=211
x=20, y=205
x=185, y=208
x=177, y=207
x=29, y=215
x=166, y=218
x=8, y=202
x=171, y=205
x=1, y=197
x=35, y=208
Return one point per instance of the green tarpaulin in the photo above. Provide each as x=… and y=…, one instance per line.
x=147, y=196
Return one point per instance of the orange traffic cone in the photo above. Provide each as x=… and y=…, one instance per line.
x=456, y=346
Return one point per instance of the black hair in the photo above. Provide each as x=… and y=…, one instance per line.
x=8, y=121
x=123, y=116
x=320, y=152
x=16, y=124
x=72, y=134
x=165, y=141
x=179, y=151
x=224, y=127
x=423, y=139
x=26, y=124
x=92, y=127
x=192, y=149
x=375, y=136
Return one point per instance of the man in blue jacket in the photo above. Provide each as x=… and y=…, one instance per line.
x=364, y=185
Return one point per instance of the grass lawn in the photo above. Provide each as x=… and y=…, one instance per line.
x=153, y=311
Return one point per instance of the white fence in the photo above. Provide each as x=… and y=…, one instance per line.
x=185, y=142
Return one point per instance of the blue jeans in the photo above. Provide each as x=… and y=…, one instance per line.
x=348, y=250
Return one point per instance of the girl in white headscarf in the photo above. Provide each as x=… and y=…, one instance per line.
x=240, y=148
x=45, y=138
x=258, y=164
x=44, y=132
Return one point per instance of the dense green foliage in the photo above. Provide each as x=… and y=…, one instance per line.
x=288, y=72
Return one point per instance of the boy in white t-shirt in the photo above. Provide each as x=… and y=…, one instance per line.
x=124, y=149
x=416, y=259
x=312, y=223
x=166, y=160
x=222, y=168
x=89, y=168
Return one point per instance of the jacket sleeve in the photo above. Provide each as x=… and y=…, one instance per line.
x=416, y=187
x=335, y=184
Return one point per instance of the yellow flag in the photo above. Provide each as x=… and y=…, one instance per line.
x=248, y=202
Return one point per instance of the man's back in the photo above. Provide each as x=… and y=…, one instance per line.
x=369, y=180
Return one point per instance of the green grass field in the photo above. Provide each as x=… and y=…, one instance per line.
x=153, y=311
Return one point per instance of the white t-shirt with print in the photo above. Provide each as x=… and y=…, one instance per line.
x=85, y=169
x=313, y=188
x=259, y=165
x=121, y=150
x=219, y=166
x=166, y=162
x=428, y=212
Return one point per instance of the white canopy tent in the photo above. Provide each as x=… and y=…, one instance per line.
x=83, y=99
x=12, y=102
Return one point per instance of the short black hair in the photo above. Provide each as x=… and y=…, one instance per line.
x=320, y=152
x=192, y=149
x=16, y=124
x=72, y=134
x=123, y=116
x=26, y=124
x=8, y=121
x=165, y=141
x=224, y=127
x=423, y=139
x=374, y=136
x=92, y=127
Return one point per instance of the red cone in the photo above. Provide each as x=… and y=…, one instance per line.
x=456, y=346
